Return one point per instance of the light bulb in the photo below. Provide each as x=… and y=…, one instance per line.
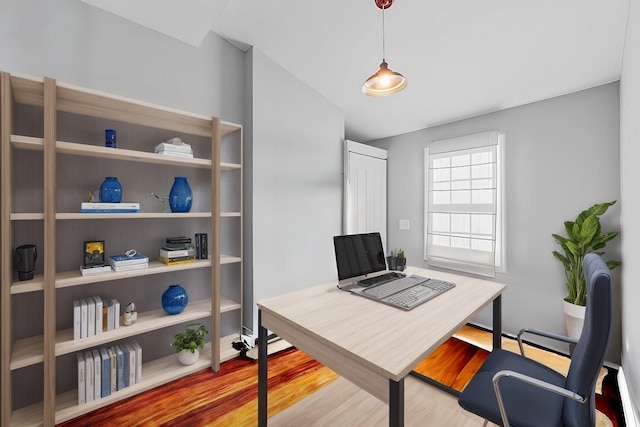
x=385, y=80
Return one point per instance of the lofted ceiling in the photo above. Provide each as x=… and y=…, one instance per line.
x=462, y=58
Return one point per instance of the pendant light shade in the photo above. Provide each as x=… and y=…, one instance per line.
x=385, y=81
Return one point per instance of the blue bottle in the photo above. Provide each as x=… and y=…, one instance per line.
x=110, y=190
x=180, y=196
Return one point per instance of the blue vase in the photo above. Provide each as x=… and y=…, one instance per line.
x=110, y=190
x=180, y=196
x=174, y=299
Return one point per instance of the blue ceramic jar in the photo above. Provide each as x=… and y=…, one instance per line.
x=174, y=299
x=110, y=190
x=180, y=196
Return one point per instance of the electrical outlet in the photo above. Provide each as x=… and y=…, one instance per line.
x=404, y=224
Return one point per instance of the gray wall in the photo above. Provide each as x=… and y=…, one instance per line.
x=630, y=177
x=83, y=45
x=296, y=188
x=562, y=156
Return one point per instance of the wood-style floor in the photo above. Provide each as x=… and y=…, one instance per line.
x=302, y=392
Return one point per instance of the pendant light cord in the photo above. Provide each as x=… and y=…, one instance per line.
x=383, y=52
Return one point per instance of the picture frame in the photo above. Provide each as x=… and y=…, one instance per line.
x=94, y=254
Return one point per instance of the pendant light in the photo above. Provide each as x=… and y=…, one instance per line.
x=385, y=81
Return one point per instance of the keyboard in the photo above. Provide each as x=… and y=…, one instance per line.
x=408, y=292
x=387, y=277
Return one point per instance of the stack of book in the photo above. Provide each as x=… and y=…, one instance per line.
x=94, y=315
x=105, y=370
x=128, y=262
x=174, y=147
x=90, y=207
x=177, y=250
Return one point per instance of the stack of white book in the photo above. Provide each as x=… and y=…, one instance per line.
x=127, y=262
x=174, y=147
x=105, y=370
x=94, y=315
x=100, y=207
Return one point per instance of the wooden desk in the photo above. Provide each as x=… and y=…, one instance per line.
x=373, y=345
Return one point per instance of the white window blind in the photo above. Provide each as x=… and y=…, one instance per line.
x=463, y=219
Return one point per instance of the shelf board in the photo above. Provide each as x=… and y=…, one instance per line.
x=72, y=148
x=154, y=374
x=131, y=215
x=27, y=216
x=29, y=351
x=230, y=214
x=74, y=278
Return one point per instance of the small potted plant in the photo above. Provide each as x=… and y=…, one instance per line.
x=188, y=343
x=401, y=261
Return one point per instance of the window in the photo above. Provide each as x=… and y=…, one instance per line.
x=464, y=203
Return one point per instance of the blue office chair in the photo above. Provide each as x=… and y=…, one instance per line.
x=511, y=390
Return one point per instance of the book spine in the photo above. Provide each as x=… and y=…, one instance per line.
x=106, y=373
x=113, y=361
x=116, y=206
x=132, y=364
x=164, y=253
x=120, y=369
x=116, y=314
x=202, y=246
x=88, y=375
x=76, y=319
x=132, y=261
x=175, y=261
x=126, y=364
x=109, y=210
x=175, y=153
x=83, y=318
x=81, y=381
x=91, y=317
x=97, y=374
x=131, y=267
x=138, y=350
x=111, y=314
x=98, y=315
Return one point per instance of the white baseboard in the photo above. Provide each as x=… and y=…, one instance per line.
x=630, y=416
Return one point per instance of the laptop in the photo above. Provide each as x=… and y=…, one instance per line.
x=362, y=270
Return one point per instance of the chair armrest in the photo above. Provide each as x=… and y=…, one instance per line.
x=543, y=334
x=531, y=381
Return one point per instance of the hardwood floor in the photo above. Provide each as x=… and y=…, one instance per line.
x=302, y=392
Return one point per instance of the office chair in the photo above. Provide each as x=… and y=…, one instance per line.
x=511, y=390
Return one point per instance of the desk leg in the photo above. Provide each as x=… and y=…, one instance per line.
x=396, y=403
x=262, y=373
x=497, y=322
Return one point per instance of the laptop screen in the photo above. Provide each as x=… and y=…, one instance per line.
x=358, y=254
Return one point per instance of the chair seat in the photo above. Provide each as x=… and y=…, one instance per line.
x=526, y=406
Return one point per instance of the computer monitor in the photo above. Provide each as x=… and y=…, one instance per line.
x=359, y=255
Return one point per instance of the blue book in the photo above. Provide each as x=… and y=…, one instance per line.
x=106, y=372
x=126, y=364
x=120, y=260
x=120, y=365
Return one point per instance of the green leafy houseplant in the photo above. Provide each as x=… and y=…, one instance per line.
x=584, y=236
x=191, y=339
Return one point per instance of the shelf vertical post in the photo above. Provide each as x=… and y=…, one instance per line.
x=49, y=251
x=216, y=135
x=5, y=249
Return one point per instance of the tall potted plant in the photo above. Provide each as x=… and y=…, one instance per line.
x=584, y=236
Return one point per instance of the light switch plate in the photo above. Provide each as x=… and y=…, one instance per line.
x=404, y=224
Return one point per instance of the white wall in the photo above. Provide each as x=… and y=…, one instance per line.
x=562, y=156
x=296, y=188
x=77, y=43
x=630, y=177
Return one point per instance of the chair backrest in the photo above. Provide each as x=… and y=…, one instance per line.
x=589, y=353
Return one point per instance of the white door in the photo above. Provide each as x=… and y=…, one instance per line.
x=365, y=190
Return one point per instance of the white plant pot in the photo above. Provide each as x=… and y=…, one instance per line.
x=187, y=358
x=574, y=317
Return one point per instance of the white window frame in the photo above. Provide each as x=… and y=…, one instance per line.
x=471, y=141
